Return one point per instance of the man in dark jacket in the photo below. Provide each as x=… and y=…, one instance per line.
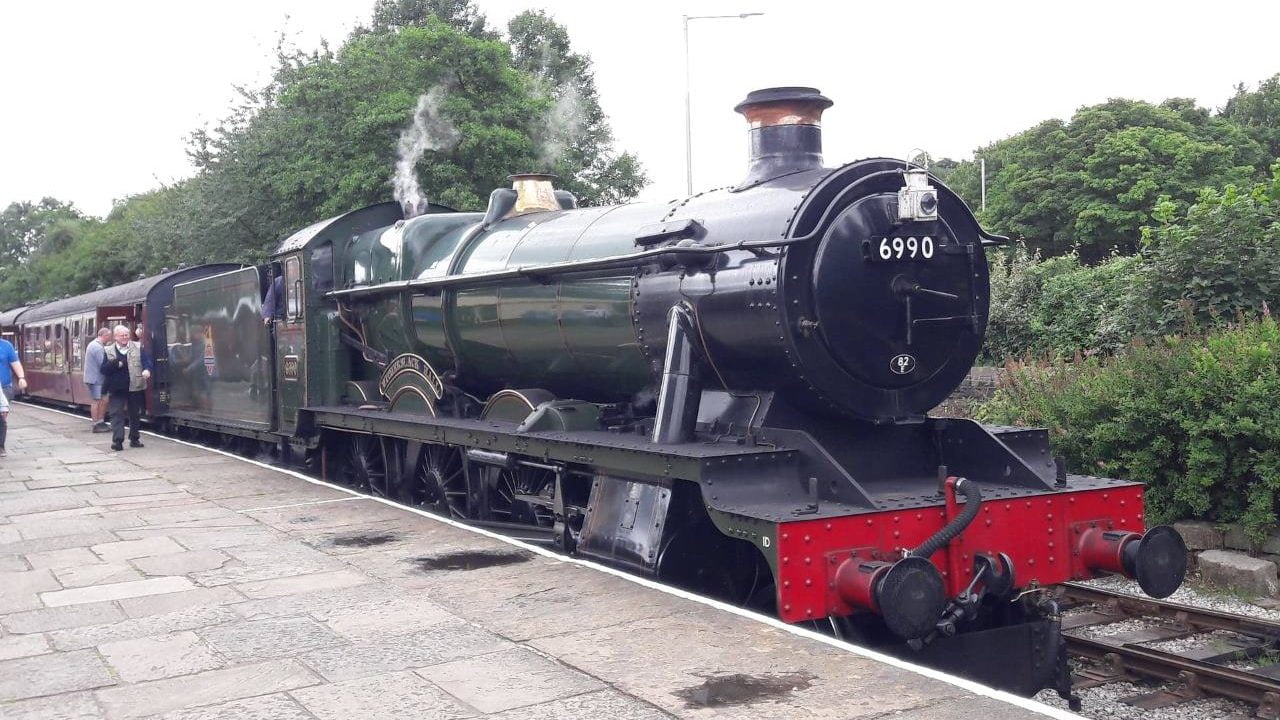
x=125, y=372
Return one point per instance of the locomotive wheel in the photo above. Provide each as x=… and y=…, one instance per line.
x=521, y=495
x=364, y=467
x=439, y=483
x=701, y=559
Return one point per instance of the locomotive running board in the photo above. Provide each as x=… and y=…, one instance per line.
x=626, y=453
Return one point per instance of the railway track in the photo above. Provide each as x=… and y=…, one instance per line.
x=1198, y=670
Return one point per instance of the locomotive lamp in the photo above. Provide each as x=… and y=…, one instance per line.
x=917, y=200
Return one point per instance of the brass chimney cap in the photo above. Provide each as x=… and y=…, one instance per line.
x=784, y=106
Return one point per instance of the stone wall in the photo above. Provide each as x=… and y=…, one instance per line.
x=1227, y=558
x=977, y=386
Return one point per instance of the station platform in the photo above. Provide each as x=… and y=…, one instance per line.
x=181, y=583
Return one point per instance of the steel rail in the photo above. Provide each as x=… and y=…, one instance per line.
x=1198, y=678
x=1201, y=677
x=1188, y=615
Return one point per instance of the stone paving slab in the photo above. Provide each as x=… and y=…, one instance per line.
x=174, y=583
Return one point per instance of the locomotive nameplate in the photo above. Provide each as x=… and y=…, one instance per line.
x=413, y=365
x=291, y=367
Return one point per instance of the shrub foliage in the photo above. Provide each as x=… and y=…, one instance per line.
x=1057, y=308
x=1194, y=416
x=1204, y=266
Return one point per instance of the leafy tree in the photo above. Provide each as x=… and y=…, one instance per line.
x=574, y=137
x=1212, y=262
x=25, y=225
x=1089, y=184
x=1204, y=266
x=389, y=15
x=321, y=139
x=1258, y=112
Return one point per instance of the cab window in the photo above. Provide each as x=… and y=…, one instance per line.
x=322, y=267
x=293, y=289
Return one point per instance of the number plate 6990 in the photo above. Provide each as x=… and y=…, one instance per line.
x=893, y=249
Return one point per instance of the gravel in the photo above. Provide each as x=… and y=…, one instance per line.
x=1105, y=702
x=1219, y=640
x=1191, y=594
x=1116, y=628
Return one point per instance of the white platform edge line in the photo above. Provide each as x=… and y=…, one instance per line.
x=962, y=683
x=292, y=505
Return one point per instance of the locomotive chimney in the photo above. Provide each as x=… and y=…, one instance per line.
x=786, y=131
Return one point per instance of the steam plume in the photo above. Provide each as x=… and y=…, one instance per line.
x=562, y=124
x=430, y=130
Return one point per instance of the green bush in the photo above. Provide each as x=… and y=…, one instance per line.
x=1195, y=417
x=1203, y=267
x=1218, y=259
x=1056, y=308
x=1015, y=291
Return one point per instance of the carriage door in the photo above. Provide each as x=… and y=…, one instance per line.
x=291, y=342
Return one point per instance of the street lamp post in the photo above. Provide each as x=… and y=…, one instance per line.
x=984, y=183
x=688, y=103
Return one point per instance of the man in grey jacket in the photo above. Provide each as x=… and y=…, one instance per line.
x=125, y=373
x=93, y=357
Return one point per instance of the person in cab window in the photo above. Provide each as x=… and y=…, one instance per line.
x=125, y=372
x=273, y=303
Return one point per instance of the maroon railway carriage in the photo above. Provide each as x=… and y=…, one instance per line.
x=51, y=338
x=9, y=323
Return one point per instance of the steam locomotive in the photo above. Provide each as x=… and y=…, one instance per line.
x=728, y=392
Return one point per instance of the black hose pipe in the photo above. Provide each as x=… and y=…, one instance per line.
x=939, y=540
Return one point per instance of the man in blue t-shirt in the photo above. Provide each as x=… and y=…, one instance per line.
x=10, y=368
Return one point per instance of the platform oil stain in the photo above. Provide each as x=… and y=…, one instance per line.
x=739, y=689
x=470, y=560
x=364, y=540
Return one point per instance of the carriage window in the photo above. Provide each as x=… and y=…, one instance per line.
x=293, y=289
x=77, y=349
x=59, y=349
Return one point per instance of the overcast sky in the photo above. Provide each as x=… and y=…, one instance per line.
x=100, y=96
